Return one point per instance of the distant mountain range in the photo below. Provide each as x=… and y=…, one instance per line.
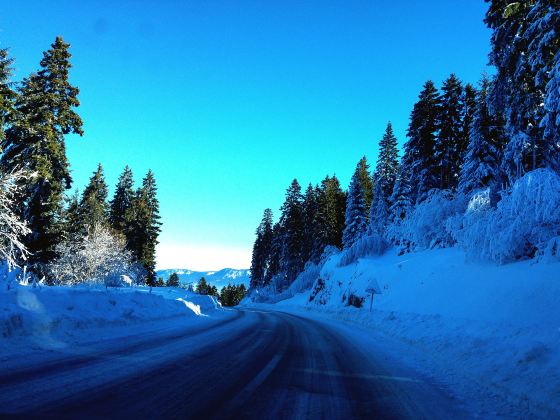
x=219, y=278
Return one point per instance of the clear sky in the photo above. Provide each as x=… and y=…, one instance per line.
x=229, y=100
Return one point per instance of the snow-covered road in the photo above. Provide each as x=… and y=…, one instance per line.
x=249, y=363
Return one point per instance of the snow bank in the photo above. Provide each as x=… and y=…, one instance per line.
x=494, y=327
x=44, y=311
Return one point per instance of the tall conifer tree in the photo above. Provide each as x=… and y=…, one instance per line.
x=45, y=113
x=355, y=215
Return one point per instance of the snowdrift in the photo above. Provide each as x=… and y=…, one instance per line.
x=41, y=312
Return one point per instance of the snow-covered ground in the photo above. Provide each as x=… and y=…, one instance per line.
x=50, y=317
x=491, y=331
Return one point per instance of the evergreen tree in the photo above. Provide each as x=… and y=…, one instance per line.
x=387, y=164
x=469, y=108
x=121, y=204
x=145, y=225
x=379, y=212
x=93, y=209
x=310, y=208
x=487, y=141
x=173, y=280
x=525, y=43
x=262, y=250
x=366, y=183
x=401, y=199
x=355, y=211
x=384, y=180
x=330, y=217
x=449, y=147
x=419, y=161
x=292, y=221
x=275, y=253
x=202, y=286
x=7, y=94
x=72, y=219
x=44, y=111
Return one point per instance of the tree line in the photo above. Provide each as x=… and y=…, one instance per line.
x=36, y=116
x=460, y=139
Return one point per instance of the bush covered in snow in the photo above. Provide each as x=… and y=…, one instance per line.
x=525, y=224
x=100, y=257
x=426, y=226
x=367, y=245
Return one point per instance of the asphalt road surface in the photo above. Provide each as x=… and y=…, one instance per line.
x=253, y=364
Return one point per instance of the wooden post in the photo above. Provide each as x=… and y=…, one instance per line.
x=371, y=304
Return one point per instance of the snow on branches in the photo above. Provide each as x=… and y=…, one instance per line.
x=12, y=228
x=99, y=257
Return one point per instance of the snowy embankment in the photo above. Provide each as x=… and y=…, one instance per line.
x=492, y=332
x=45, y=315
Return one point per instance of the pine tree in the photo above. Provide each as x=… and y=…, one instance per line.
x=487, y=141
x=7, y=94
x=173, y=280
x=275, y=253
x=44, y=111
x=262, y=250
x=202, y=286
x=384, y=179
x=72, y=220
x=93, y=209
x=401, y=199
x=525, y=43
x=330, y=218
x=355, y=211
x=292, y=221
x=448, y=147
x=469, y=108
x=121, y=204
x=366, y=183
x=145, y=225
x=387, y=164
x=419, y=162
x=310, y=208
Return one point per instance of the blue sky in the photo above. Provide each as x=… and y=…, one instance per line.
x=228, y=101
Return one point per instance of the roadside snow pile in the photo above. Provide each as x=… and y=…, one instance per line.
x=45, y=311
x=497, y=326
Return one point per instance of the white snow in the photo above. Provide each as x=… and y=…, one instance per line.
x=47, y=315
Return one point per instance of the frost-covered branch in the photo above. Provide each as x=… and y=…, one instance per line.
x=12, y=228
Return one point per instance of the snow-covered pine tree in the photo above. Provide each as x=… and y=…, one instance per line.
x=387, y=164
x=487, y=140
x=93, y=208
x=419, y=161
x=355, y=216
x=525, y=45
x=35, y=141
x=379, y=212
x=7, y=94
x=121, y=204
x=366, y=182
x=448, y=146
x=292, y=221
x=401, y=199
x=262, y=250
